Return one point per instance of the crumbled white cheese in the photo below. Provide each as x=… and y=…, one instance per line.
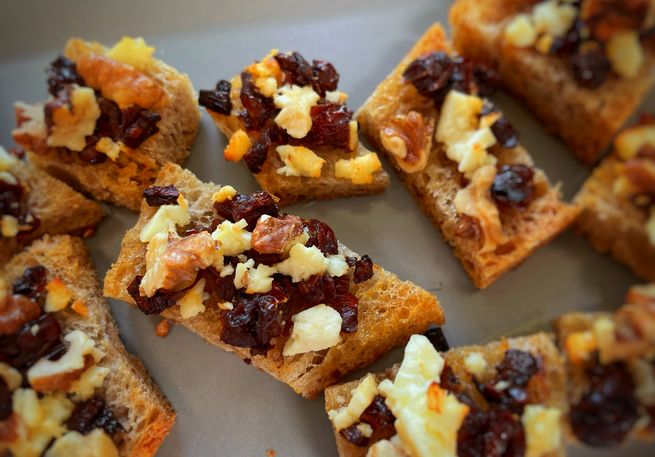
x=191, y=304
x=11, y=376
x=233, y=238
x=302, y=263
x=543, y=430
x=7, y=161
x=94, y=444
x=336, y=96
x=314, y=329
x=554, y=18
x=625, y=53
x=109, y=147
x=166, y=219
x=365, y=429
x=58, y=297
x=91, y=380
x=71, y=126
x=521, y=32
x=475, y=364
x=134, y=52
x=254, y=280
x=299, y=161
x=295, y=104
x=8, y=226
x=359, y=170
x=337, y=265
x=361, y=398
x=385, y=448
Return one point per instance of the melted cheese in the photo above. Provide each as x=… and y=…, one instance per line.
x=314, y=329
x=361, y=398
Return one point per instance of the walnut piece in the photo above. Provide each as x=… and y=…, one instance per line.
x=606, y=17
x=409, y=138
x=15, y=311
x=274, y=236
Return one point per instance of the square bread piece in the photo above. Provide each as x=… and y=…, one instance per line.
x=133, y=398
x=437, y=184
x=618, y=202
x=585, y=118
x=610, y=365
x=300, y=176
x=546, y=388
x=143, y=115
x=389, y=310
x=57, y=208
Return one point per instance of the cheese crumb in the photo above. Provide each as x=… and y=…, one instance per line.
x=314, y=329
x=7, y=161
x=110, y=148
x=134, y=52
x=191, y=304
x=233, y=238
x=359, y=170
x=166, y=219
x=299, y=161
x=58, y=297
x=8, y=226
x=543, y=430
x=361, y=398
x=72, y=124
x=224, y=193
x=475, y=364
x=625, y=53
x=521, y=32
x=94, y=444
x=11, y=376
x=237, y=146
x=302, y=263
x=295, y=104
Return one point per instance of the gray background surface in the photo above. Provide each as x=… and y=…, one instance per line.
x=226, y=408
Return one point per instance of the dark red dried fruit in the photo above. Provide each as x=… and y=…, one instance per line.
x=330, y=127
x=493, y=433
x=570, y=42
x=325, y=77
x=138, y=125
x=110, y=122
x=257, y=108
x=89, y=154
x=380, y=418
x=449, y=380
x=257, y=154
x=430, y=74
x=346, y=304
x=151, y=305
x=505, y=133
x=295, y=68
x=437, y=338
x=608, y=410
x=513, y=186
x=161, y=195
x=10, y=198
x=321, y=236
x=219, y=288
x=91, y=414
x=363, y=270
x=61, y=73
x=6, y=404
x=252, y=207
x=22, y=350
x=217, y=100
x=354, y=436
x=32, y=283
x=590, y=66
x=253, y=322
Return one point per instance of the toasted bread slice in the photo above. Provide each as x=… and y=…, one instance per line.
x=435, y=186
x=294, y=189
x=58, y=208
x=390, y=310
x=141, y=408
x=121, y=181
x=586, y=119
x=548, y=388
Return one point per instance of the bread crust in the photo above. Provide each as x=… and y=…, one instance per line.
x=122, y=182
x=150, y=416
x=58, y=207
x=390, y=310
x=435, y=187
x=612, y=225
x=586, y=119
x=295, y=189
x=548, y=388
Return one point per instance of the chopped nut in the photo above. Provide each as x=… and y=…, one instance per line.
x=238, y=146
x=15, y=311
x=163, y=328
x=275, y=235
x=409, y=139
x=628, y=143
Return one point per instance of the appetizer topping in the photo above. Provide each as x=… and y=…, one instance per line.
x=161, y=195
x=61, y=74
x=92, y=414
x=361, y=397
x=436, y=336
x=643, y=374
x=543, y=431
x=95, y=444
x=409, y=138
x=513, y=186
x=15, y=217
x=278, y=281
x=360, y=170
x=475, y=364
x=59, y=296
x=291, y=107
x=596, y=36
x=134, y=52
x=72, y=117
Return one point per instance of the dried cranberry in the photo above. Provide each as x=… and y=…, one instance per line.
x=138, y=125
x=32, y=283
x=91, y=414
x=590, y=66
x=606, y=413
x=321, y=236
x=253, y=322
x=494, y=433
x=257, y=108
x=295, y=68
x=256, y=156
x=449, y=380
x=380, y=418
x=266, y=259
x=251, y=207
x=22, y=350
x=217, y=100
x=161, y=195
x=110, y=122
x=150, y=305
x=10, y=198
x=89, y=154
x=437, y=338
x=220, y=287
x=346, y=304
x=485, y=79
x=570, y=42
x=513, y=186
x=354, y=436
x=430, y=74
x=505, y=133
x=330, y=126
x=325, y=77
x=61, y=73
x=363, y=270
x=6, y=406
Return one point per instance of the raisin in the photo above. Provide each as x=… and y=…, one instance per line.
x=606, y=413
x=257, y=154
x=217, y=100
x=449, y=380
x=257, y=108
x=346, y=304
x=110, y=122
x=22, y=350
x=91, y=414
x=219, y=288
x=253, y=322
x=437, y=338
x=590, y=66
x=354, y=436
x=251, y=207
x=570, y=42
x=10, y=198
x=89, y=154
x=321, y=236
x=363, y=270
x=430, y=74
x=138, y=125
x=505, y=133
x=513, y=186
x=485, y=79
x=150, y=305
x=295, y=68
x=380, y=418
x=61, y=73
x=6, y=406
x=330, y=127
x=493, y=433
x=161, y=195
x=32, y=283
x=325, y=77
